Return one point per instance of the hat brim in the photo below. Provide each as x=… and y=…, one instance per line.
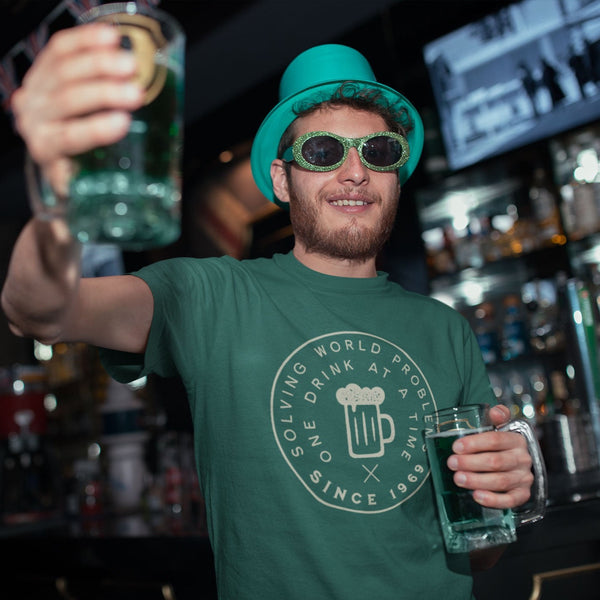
x=266, y=142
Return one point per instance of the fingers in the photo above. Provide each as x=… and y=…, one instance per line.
x=511, y=499
x=497, y=490
x=77, y=95
x=496, y=481
x=489, y=441
x=76, y=39
x=499, y=415
x=496, y=465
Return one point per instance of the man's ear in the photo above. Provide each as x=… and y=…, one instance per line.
x=280, y=181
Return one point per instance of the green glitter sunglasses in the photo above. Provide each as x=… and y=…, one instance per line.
x=324, y=151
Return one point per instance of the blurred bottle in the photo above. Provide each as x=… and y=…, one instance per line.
x=576, y=167
x=543, y=398
x=486, y=332
x=545, y=209
x=446, y=261
x=171, y=469
x=560, y=393
x=584, y=207
x=439, y=252
x=522, y=400
x=514, y=333
x=29, y=482
x=90, y=482
x=540, y=299
x=467, y=246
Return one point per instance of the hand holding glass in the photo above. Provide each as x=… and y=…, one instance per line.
x=129, y=193
x=466, y=524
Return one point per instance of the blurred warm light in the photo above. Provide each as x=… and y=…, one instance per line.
x=226, y=156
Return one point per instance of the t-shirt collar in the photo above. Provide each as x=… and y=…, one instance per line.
x=315, y=280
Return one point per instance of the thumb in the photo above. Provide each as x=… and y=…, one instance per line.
x=499, y=415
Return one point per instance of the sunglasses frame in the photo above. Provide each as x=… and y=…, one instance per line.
x=347, y=143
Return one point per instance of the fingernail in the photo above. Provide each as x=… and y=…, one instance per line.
x=453, y=463
x=479, y=496
x=131, y=91
x=125, y=62
x=460, y=479
x=107, y=33
x=118, y=121
x=458, y=446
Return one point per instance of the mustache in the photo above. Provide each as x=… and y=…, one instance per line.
x=351, y=194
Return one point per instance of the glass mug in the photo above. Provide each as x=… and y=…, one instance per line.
x=129, y=193
x=466, y=524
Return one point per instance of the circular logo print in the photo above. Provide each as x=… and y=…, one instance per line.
x=348, y=410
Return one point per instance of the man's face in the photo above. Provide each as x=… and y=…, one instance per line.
x=347, y=213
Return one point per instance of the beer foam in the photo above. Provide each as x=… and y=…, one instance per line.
x=354, y=395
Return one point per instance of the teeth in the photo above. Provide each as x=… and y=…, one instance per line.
x=346, y=202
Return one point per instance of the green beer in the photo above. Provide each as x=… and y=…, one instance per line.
x=465, y=523
x=129, y=192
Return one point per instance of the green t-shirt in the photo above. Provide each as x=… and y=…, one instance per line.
x=309, y=394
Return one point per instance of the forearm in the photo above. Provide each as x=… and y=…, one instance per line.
x=42, y=281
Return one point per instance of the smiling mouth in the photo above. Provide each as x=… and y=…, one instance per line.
x=347, y=202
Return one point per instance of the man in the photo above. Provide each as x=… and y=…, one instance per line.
x=284, y=359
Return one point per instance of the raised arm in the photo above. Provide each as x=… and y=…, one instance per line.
x=77, y=95
x=44, y=298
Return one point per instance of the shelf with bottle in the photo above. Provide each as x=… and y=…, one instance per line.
x=489, y=215
x=468, y=287
x=538, y=369
x=515, y=247
x=576, y=165
x=518, y=321
x=544, y=394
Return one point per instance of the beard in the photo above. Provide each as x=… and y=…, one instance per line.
x=352, y=241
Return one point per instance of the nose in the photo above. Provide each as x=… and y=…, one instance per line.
x=352, y=169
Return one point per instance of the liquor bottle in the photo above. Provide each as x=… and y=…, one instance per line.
x=514, y=334
x=560, y=393
x=486, y=332
x=584, y=206
x=540, y=298
x=543, y=398
x=522, y=400
x=545, y=209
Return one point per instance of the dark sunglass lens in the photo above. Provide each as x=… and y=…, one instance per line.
x=322, y=151
x=382, y=151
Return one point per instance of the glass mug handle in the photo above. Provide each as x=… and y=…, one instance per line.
x=539, y=492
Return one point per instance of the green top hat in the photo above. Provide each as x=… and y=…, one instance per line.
x=311, y=78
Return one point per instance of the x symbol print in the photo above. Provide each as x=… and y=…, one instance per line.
x=371, y=473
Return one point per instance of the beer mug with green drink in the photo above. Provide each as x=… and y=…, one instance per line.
x=466, y=524
x=129, y=193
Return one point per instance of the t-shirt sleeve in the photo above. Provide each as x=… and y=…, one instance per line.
x=122, y=366
x=168, y=281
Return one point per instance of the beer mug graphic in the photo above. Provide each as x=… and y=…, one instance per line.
x=364, y=419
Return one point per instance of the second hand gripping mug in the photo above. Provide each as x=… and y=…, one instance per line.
x=466, y=524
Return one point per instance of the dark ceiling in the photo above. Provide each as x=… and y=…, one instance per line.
x=237, y=50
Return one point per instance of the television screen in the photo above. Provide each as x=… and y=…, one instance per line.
x=524, y=73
